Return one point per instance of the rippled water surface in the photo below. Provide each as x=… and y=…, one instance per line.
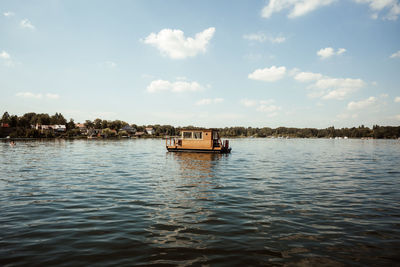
x=270, y=202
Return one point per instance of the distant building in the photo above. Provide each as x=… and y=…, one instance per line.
x=150, y=130
x=54, y=127
x=5, y=125
x=139, y=134
x=82, y=128
x=59, y=128
x=128, y=129
x=93, y=133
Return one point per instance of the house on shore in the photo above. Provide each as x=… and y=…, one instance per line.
x=139, y=134
x=82, y=128
x=149, y=130
x=129, y=129
x=55, y=128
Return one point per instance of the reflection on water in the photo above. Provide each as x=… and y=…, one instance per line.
x=196, y=164
x=270, y=202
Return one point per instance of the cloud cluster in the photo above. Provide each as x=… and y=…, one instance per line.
x=262, y=37
x=354, y=105
x=209, y=101
x=395, y=55
x=376, y=6
x=268, y=74
x=8, y=14
x=6, y=58
x=176, y=87
x=328, y=52
x=397, y=99
x=4, y=55
x=25, y=23
x=174, y=44
x=329, y=88
x=266, y=106
x=37, y=96
x=297, y=7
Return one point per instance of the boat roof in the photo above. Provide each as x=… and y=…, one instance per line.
x=199, y=129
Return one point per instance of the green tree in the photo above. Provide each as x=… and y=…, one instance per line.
x=70, y=125
x=89, y=124
x=5, y=118
x=97, y=123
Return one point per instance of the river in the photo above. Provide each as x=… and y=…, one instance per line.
x=269, y=202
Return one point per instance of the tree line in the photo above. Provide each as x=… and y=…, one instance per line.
x=21, y=127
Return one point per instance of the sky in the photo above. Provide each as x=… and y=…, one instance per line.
x=292, y=63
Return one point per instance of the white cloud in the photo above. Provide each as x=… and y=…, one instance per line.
x=8, y=14
x=278, y=40
x=329, y=88
x=29, y=95
x=248, y=102
x=338, y=88
x=374, y=16
x=307, y=76
x=176, y=87
x=353, y=105
x=267, y=106
x=395, y=55
x=37, y=96
x=174, y=44
x=268, y=74
x=7, y=59
x=52, y=96
x=297, y=7
x=328, y=52
x=397, y=99
x=397, y=117
x=208, y=101
x=4, y=55
x=110, y=64
x=391, y=6
x=340, y=51
x=25, y=23
x=262, y=37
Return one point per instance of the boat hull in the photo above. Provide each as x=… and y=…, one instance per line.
x=191, y=150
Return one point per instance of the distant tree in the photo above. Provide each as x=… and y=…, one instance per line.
x=70, y=125
x=89, y=124
x=5, y=118
x=58, y=118
x=13, y=121
x=97, y=123
x=123, y=133
x=104, y=124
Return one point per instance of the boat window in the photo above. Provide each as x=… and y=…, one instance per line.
x=197, y=135
x=187, y=135
x=215, y=135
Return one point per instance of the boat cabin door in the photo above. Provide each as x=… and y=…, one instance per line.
x=215, y=137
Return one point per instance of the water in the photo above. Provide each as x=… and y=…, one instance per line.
x=270, y=202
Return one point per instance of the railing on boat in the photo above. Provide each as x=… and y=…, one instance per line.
x=173, y=140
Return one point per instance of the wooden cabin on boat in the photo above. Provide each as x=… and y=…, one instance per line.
x=198, y=140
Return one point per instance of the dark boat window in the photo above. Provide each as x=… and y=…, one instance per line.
x=187, y=135
x=197, y=135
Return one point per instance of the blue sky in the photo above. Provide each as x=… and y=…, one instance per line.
x=308, y=63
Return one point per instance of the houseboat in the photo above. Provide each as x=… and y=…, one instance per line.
x=198, y=140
